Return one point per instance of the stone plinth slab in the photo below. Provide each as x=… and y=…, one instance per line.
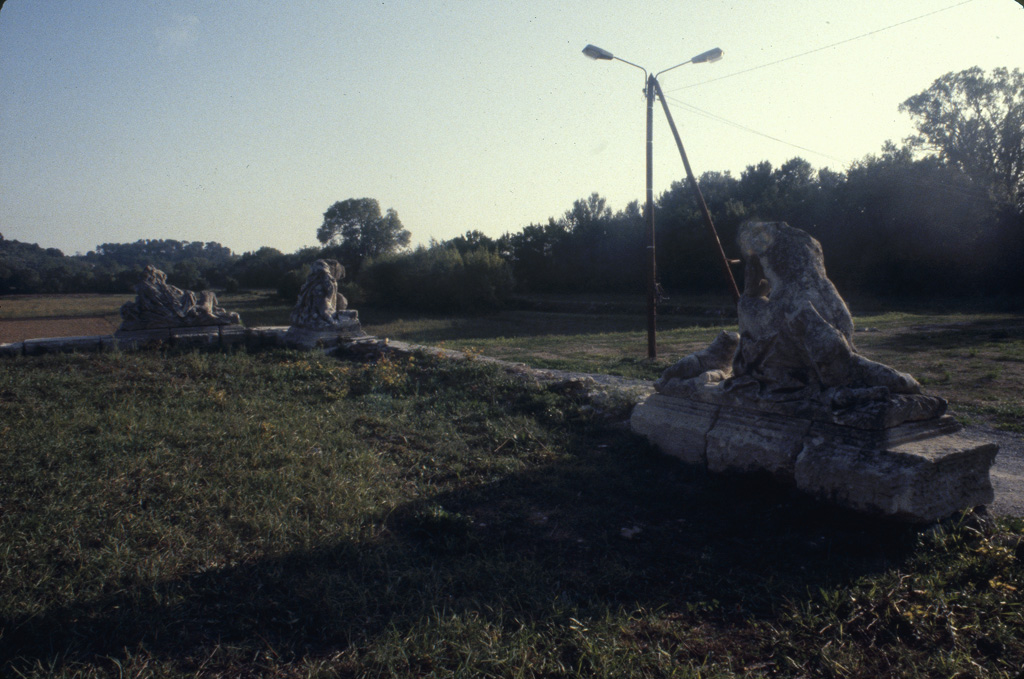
x=57, y=345
x=265, y=336
x=13, y=349
x=675, y=426
x=199, y=337
x=301, y=338
x=232, y=335
x=129, y=340
x=918, y=472
x=742, y=440
x=914, y=478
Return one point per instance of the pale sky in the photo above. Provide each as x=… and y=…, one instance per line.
x=241, y=122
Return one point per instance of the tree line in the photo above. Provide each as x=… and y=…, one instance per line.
x=940, y=214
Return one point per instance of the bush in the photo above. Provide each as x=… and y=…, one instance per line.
x=290, y=284
x=439, y=278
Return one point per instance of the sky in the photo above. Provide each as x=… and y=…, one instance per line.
x=242, y=122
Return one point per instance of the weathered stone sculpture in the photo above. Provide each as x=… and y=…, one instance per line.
x=320, y=305
x=320, y=316
x=790, y=395
x=160, y=305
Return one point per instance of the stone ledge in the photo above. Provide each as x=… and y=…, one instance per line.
x=12, y=349
x=36, y=347
x=918, y=472
x=213, y=336
x=307, y=340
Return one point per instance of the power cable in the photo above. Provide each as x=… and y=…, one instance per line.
x=726, y=121
x=820, y=49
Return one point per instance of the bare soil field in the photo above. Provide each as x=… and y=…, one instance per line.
x=17, y=330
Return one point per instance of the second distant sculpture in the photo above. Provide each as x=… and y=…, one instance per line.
x=321, y=315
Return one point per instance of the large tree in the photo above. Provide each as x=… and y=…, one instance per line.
x=975, y=122
x=359, y=230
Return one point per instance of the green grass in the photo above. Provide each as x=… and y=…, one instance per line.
x=973, y=358
x=284, y=514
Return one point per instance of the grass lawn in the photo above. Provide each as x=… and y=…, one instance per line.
x=289, y=515
x=974, y=359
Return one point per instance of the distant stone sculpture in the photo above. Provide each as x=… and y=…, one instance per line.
x=320, y=306
x=160, y=305
x=321, y=316
x=789, y=395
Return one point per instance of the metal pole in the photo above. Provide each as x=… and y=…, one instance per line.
x=712, y=233
x=652, y=272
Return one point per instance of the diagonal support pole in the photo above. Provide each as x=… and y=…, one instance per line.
x=712, y=233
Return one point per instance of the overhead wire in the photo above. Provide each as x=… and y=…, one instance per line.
x=740, y=126
x=962, y=190
x=820, y=49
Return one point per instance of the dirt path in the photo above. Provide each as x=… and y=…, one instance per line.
x=59, y=326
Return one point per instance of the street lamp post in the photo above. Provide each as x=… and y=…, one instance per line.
x=653, y=89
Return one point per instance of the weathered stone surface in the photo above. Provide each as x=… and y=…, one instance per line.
x=159, y=304
x=232, y=335
x=139, y=339
x=714, y=362
x=57, y=345
x=917, y=472
x=320, y=318
x=12, y=349
x=302, y=338
x=918, y=479
x=266, y=336
x=745, y=441
x=790, y=395
x=795, y=348
x=320, y=306
x=677, y=427
x=199, y=337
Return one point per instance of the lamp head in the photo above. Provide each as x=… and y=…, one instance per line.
x=597, y=53
x=709, y=56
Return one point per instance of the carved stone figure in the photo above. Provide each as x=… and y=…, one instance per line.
x=320, y=306
x=158, y=305
x=795, y=344
x=789, y=395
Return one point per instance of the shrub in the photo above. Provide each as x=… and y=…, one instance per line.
x=439, y=278
x=290, y=284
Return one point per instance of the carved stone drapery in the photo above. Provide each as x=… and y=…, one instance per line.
x=159, y=305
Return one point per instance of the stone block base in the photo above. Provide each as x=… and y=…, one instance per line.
x=917, y=472
x=36, y=347
x=301, y=338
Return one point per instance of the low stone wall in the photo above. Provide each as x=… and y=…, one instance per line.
x=217, y=336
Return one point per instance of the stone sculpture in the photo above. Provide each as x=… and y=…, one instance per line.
x=320, y=316
x=789, y=394
x=320, y=306
x=795, y=352
x=160, y=305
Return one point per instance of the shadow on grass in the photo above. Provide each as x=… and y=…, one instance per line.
x=963, y=336
x=614, y=527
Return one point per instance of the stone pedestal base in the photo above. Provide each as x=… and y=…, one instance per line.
x=918, y=472
x=301, y=338
x=196, y=336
